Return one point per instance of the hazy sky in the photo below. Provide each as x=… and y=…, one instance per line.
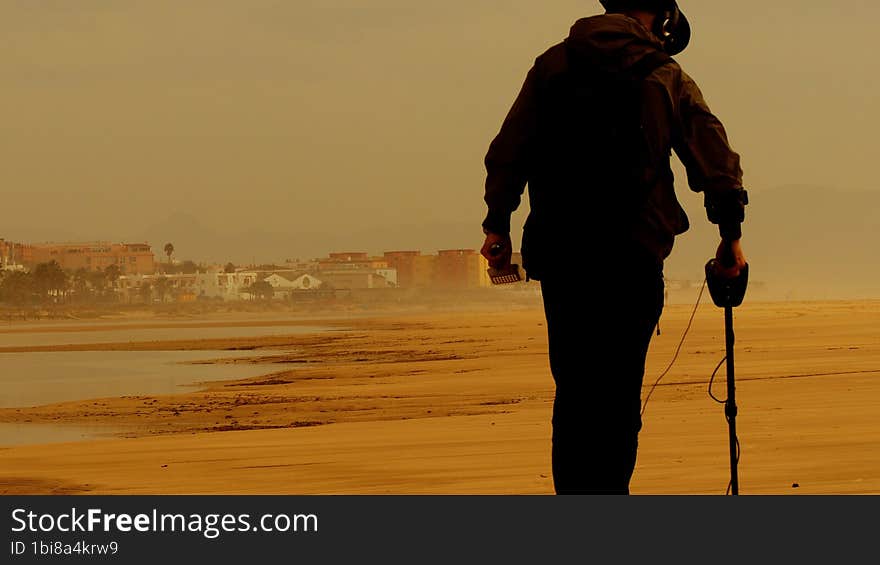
x=336, y=117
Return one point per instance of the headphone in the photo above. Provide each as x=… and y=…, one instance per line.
x=673, y=29
x=672, y=26
x=666, y=22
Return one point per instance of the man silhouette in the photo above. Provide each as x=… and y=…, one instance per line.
x=591, y=134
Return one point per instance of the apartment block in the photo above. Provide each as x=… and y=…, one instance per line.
x=461, y=268
x=131, y=258
x=14, y=255
x=414, y=270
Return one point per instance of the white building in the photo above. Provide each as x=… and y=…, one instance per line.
x=287, y=283
x=228, y=286
x=186, y=287
x=390, y=276
x=7, y=257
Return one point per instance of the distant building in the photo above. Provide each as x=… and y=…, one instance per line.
x=354, y=279
x=450, y=269
x=228, y=286
x=186, y=288
x=351, y=261
x=183, y=287
x=461, y=268
x=131, y=258
x=414, y=270
x=390, y=276
x=285, y=284
x=348, y=257
x=13, y=255
x=356, y=271
x=299, y=265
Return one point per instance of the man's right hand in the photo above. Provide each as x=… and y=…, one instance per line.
x=499, y=257
x=731, y=259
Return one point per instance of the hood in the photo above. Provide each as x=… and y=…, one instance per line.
x=612, y=41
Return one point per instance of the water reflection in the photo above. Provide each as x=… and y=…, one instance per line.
x=122, y=334
x=39, y=378
x=33, y=379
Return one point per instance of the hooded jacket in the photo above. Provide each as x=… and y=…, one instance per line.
x=674, y=117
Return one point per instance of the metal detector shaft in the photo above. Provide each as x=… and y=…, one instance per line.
x=728, y=294
x=730, y=405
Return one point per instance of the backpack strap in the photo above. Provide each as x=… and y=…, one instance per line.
x=643, y=68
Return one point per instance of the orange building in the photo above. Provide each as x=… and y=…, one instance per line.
x=12, y=253
x=351, y=261
x=461, y=268
x=453, y=268
x=414, y=270
x=346, y=257
x=131, y=258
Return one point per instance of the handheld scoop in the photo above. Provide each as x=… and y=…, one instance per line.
x=506, y=275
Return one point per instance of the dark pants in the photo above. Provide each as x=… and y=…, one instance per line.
x=599, y=331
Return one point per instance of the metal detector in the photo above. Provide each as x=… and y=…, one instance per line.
x=728, y=294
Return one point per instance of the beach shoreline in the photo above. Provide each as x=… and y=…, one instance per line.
x=459, y=401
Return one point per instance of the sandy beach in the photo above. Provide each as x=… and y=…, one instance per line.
x=459, y=401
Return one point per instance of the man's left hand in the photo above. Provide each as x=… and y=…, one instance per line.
x=731, y=259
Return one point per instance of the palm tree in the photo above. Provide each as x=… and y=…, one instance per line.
x=169, y=250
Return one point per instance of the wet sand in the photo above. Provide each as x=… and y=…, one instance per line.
x=460, y=402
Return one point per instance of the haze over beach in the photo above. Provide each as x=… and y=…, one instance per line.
x=264, y=130
x=329, y=133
